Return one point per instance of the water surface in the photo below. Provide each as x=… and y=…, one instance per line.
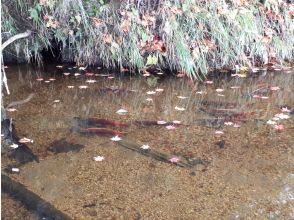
x=247, y=169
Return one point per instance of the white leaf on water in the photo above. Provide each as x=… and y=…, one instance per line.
x=145, y=147
x=121, y=111
x=14, y=146
x=99, y=158
x=282, y=116
x=15, y=170
x=270, y=122
x=25, y=140
x=151, y=92
x=115, y=138
x=179, y=108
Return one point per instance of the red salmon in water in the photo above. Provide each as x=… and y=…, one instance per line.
x=105, y=122
x=101, y=132
x=101, y=122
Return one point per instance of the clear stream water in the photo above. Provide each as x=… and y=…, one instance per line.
x=239, y=129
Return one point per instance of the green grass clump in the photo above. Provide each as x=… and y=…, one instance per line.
x=190, y=36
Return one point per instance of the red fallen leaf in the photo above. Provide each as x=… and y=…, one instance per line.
x=102, y=132
x=279, y=127
x=25, y=140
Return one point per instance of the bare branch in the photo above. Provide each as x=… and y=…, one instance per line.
x=14, y=38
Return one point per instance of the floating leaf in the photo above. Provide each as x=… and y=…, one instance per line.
x=91, y=81
x=179, y=108
x=285, y=109
x=150, y=92
x=174, y=159
x=15, y=170
x=279, y=127
x=25, y=140
x=161, y=122
x=282, y=116
x=270, y=122
x=115, y=138
x=121, y=111
x=219, y=90
x=170, y=127
x=14, y=146
x=99, y=158
x=145, y=147
x=83, y=87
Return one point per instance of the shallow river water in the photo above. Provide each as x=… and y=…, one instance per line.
x=219, y=149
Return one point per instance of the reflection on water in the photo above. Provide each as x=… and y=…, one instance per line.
x=231, y=139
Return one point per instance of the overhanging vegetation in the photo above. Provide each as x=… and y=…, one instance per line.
x=191, y=36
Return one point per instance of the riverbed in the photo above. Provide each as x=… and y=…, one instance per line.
x=237, y=127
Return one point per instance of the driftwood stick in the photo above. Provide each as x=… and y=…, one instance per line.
x=14, y=38
x=5, y=44
x=16, y=103
x=31, y=200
